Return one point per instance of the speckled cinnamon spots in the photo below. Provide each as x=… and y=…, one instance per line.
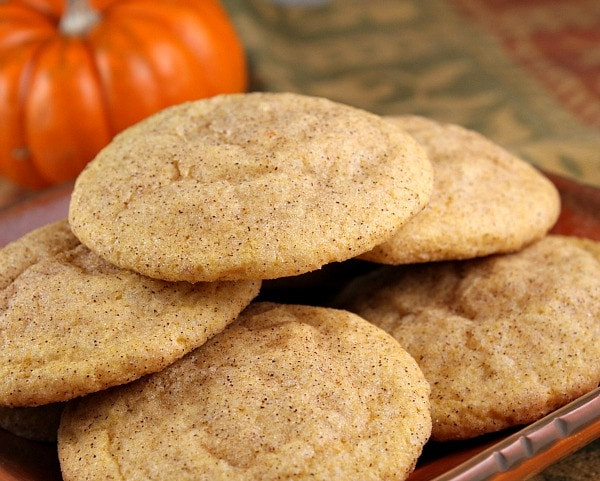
x=71, y=323
x=286, y=392
x=260, y=185
x=484, y=201
x=502, y=340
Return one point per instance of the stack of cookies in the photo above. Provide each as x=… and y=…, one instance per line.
x=142, y=315
x=503, y=320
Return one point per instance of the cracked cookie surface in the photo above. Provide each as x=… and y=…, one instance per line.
x=484, y=201
x=285, y=392
x=502, y=340
x=241, y=186
x=71, y=323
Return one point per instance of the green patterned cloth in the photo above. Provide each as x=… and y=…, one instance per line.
x=471, y=62
x=421, y=57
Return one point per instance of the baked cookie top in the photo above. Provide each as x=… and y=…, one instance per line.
x=285, y=392
x=259, y=185
x=71, y=323
x=502, y=340
x=484, y=201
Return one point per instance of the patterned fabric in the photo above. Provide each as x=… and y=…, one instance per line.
x=525, y=73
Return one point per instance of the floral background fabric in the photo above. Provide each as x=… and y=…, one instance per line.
x=525, y=73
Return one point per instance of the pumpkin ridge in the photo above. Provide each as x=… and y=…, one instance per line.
x=24, y=87
x=138, y=43
x=102, y=90
x=63, y=110
x=158, y=23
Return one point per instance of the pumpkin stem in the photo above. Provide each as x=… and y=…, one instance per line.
x=79, y=17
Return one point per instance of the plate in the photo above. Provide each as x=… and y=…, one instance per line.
x=508, y=455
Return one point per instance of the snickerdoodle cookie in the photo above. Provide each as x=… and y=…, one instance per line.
x=502, y=340
x=71, y=323
x=285, y=392
x=244, y=186
x=485, y=200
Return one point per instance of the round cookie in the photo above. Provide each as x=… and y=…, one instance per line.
x=484, y=201
x=502, y=340
x=38, y=423
x=248, y=186
x=71, y=323
x=285, y=392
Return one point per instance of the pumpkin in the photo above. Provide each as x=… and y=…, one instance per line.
x=73, y=75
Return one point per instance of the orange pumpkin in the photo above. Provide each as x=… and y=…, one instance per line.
x=71, y=80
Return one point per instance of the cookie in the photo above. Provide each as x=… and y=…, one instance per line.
x=285, y=392
x=248, y=186
x=502, y=340
x=71, y=323
x=484, y=201
x=38, y=423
